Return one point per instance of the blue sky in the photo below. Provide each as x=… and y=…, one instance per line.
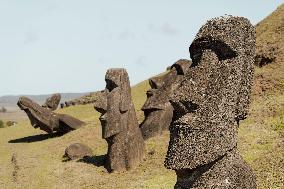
x=67, y=45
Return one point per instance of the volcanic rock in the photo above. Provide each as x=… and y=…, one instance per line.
x=119, y=123
x=157, y=108
x=47, y=120
x=77, y=151
x=212, y=98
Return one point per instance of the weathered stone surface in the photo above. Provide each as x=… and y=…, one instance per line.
x=77, y=151
x=157, y=108
x=47, y=120
x=119, y=123
x=229, y=171
x=212, y=98
x=52, y=102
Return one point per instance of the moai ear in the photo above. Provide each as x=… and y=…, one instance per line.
x=125, y=92
x=181, y=66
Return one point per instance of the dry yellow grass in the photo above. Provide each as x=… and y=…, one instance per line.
x=39, y=162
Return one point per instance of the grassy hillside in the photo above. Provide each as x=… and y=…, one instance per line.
x=31, y=159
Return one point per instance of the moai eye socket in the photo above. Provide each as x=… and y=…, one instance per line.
x=181, y=66
x=222, y=50
x=110, y=85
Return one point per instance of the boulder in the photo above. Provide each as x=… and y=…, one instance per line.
x=78, y=151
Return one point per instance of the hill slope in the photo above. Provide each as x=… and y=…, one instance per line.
x=38, y=161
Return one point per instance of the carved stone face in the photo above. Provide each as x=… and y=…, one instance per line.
x=39, y=116
x=213, y=95
x=47, y=120
x=157, y=108
x=116, y=100
x=52, y=102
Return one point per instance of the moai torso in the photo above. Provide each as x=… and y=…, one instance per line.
x=157, y=108
x=119, y=123
x=208, y=105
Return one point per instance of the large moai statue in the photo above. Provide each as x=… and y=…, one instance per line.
x=157, y=109
x=47, y=120
x=208, y=105
x=52, y=102
x=119, y=123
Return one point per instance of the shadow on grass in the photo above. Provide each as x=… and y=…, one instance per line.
x=94, y=160
x=35, y=138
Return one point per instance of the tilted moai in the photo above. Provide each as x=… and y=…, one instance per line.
x=47, y=120
x=157, y=109
x=208, y=105
x=52, y=102
x=119, y=123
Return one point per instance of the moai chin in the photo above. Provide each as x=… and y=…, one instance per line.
x=119, y=123
x=157, y=109
x=208, y=105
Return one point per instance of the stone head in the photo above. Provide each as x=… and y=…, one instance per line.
x=214, y=94
x=114, y=101
x=157, y=109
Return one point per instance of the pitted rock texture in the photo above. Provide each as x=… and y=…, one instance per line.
x=77, y=151
x=119, y=123
x=52, y=102
x=157, y=108
x=212, y=98
x=229, y=171
x=47, y=120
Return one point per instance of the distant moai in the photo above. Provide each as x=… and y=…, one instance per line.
x=47, y=120
x=52, y=102
x=119, y=123
x=157, y=109
x=208, y=105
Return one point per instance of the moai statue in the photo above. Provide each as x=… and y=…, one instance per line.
x=62, y=105
x=157, y=108
x=119, y=123
x=47, y=120
x=52, y=102
x=208, y=105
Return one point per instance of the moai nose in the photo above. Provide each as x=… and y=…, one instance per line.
x=209, y=57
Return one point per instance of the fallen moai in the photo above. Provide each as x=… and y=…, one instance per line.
x=157, y=109
x=119, y=123
x=47, y=120
x=52, y=102
x=208, y=105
